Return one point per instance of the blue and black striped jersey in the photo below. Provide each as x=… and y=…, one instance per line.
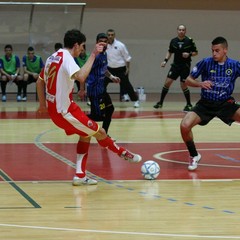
x=223, y=77
x=95, y=80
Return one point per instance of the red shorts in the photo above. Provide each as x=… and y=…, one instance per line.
x=74, y=121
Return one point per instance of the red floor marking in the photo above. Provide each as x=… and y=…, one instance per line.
x=23, y=115
x=39, y=165
x=117, y=114
x=24, y=162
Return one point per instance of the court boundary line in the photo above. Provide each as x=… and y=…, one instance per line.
x=159, y=157
x=115, y=183
x=119, y=232
x=6, y=178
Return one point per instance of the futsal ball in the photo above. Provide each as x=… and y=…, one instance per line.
x=150, y=170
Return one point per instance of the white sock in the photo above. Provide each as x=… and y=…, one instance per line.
x=79, y=163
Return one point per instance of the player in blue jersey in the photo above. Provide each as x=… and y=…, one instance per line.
x=101, y=103
x=218, y=76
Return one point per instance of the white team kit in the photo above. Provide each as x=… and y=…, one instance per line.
x=66, y=114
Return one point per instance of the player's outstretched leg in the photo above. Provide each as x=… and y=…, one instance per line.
x=122, y=152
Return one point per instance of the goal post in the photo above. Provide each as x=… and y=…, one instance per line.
x=38, y=24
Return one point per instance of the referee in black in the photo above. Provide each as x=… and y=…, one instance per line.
x=183, y=48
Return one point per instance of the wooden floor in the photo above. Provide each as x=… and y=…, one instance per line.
x=37, y=163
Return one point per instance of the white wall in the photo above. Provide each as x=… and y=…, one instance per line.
x=147, y=33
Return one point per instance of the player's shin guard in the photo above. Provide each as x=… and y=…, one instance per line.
x=111, y=145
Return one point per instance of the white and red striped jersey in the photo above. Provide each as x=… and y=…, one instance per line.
x=57, y=74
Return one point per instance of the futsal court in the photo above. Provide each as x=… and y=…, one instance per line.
x=37, y=165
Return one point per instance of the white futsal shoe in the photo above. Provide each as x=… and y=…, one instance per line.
x=83, y=181
x=193, y=162
x=131, y=157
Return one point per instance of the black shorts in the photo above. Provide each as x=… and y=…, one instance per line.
x=181, y=71
x=207, y=110
x=31, y=79
x=99, y=105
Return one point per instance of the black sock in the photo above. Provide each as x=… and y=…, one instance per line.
x=191, y=148
x=3, y=87
x=163, y=94
x=186, y=93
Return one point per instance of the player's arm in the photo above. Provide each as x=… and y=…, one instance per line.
x=192, y=53
x=2, y=69
x=193, y=82
x=168, y=56
x=112, y=78
x=3, y=72
x=40, y=84
x=83, y=73
x=17, y=71
x=27, y=71
x=17, y=65
x=82, y=93
x=24, y=64
x=189, y=54
x=126, y=56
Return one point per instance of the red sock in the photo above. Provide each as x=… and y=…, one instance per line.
x=111, y=145
x=82, y=154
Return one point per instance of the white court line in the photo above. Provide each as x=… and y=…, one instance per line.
x=160, y=158
x=120, y=233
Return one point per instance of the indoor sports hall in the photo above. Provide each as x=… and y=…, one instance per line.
x=38, y=200
x=37, y=161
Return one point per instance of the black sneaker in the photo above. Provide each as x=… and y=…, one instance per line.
x=187, y=108
x=158, y=105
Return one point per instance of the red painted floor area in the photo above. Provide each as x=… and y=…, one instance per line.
x=117, y=114
x=28, y=162
x=219, y=161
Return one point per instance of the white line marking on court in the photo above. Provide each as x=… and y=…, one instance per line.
x=120, y=233
x=159, y=157
x=217, y=180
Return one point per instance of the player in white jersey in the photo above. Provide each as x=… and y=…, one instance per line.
x=55, y=87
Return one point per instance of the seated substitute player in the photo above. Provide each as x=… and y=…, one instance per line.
x=10, y=72
x=81, y=60
x=57, y=81
x=218, y=74
x=101, y=104
x=32, y=66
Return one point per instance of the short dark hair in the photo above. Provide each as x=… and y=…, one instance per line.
x=220, y=40
x=73, y=36
x=110, y=30
x=57, y=46
x=30, y=49
x=101, y=35
x=8, y=46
